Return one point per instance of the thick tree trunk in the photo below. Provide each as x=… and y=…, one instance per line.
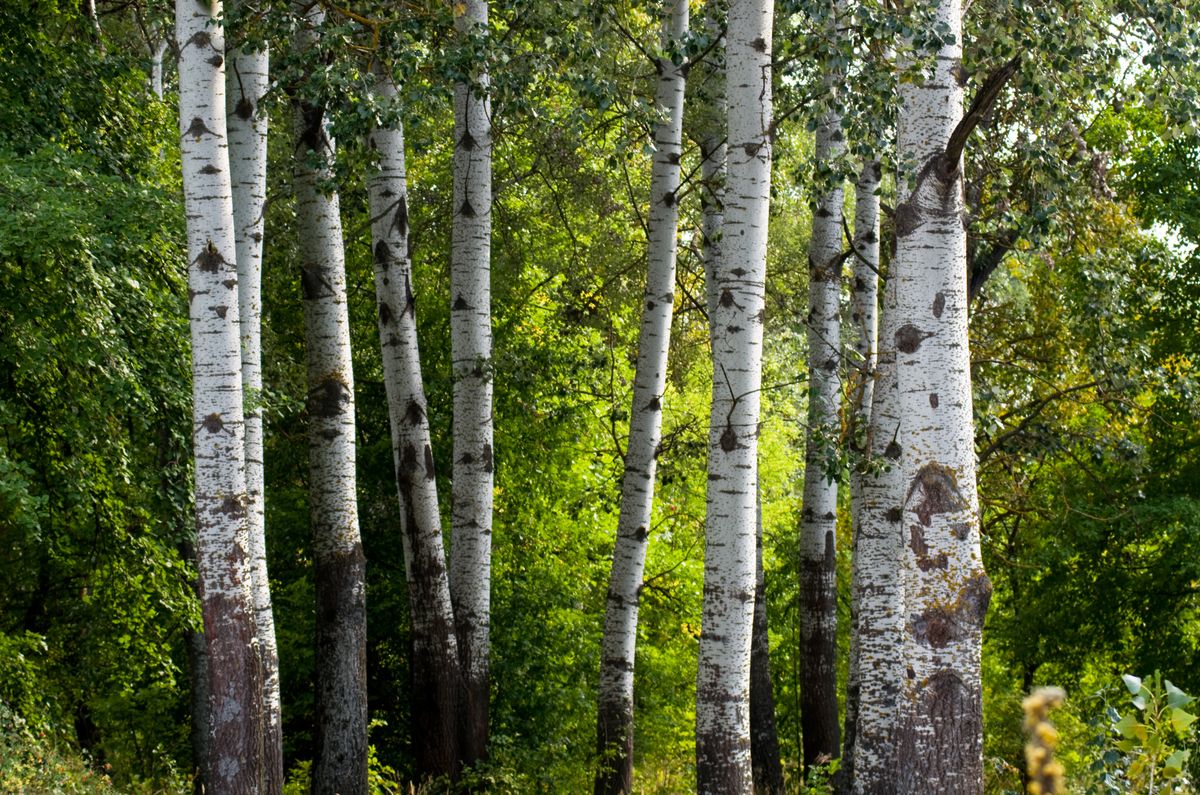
x=818, y=522
x=197, y=654
x=939, y=741
x=723, y=682
x=764, y=735
x=876, y=592
x=246, y=81
x=222, y=540
x=436, y=676
x=341, y=685
x=471, y=351
x=618, y=647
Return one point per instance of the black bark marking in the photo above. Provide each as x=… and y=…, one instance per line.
x=197, y=129
x=654, y=405
x=641, y=534
x=933, y=400
x=385, y=314
x=650, y=305
x=467, y=210
x=908, y=218
x=330, y=397
x=729, y=440
x=759, y=44
x=213, y=423
x=410, y=302
x=925, y=561
x=400, y=219
x=210, y=169
x=233, y=505
x=429, y=470
x=312, y=130
x=909, y=338
x=244, y=109
x=200, y=38
x=830, y=365
x=487, y=458
x=383, y=254
x=467, y=141
x=939, y=492
x=210, y=260
x=673, y=158
x=216, y=61
x=751, y=149
x=893, y=451
x=939, y=304
x=823, y=213
x=894, y=514
x=936, y=628
x=229, y=284
x=414, y=414
x=668, y=199
x=221, y=311
x=407, y=470
x=960, y=73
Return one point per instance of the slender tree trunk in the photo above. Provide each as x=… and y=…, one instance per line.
x=341, y=685
x=222, y=539
x=471, y=352
x=618, y=648
x=876, y=588
x=158, y=49
x=246, y=81
x=818, y=523
x=939, y=742
x=764, y=735
x=722, y=710
x=88, y=9
x=436, y=676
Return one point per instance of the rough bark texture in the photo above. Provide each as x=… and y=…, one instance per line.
x=222, y=542
x=939, y=741
x=246, y=81
x=818, y=519
x=341, y=687
x=723, y=683
x=618, y=647
x=471, y=352
x=764, y=735
x=437, y=678
x=197, y=654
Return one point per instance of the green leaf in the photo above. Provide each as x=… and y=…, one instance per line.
x=1175, y=696
x=1127, y=727
x=1173, y=765
x=1133, y=683
x=1181, y=720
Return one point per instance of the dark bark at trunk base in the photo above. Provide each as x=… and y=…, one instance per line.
x=235, y=687
x=340, y=766
x=615, y=746
x=764, y=736
x=818, y=666
x=473, y=717
x=715, y=765
x=955, y=713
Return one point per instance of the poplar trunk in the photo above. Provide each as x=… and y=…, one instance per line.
x=246, y=81
x=618, y=647
x=764, y=734
x=436, y=676
x=723, y=762
x=939, y=742
x=340, y=765
x=471, y=352
x=235, y=761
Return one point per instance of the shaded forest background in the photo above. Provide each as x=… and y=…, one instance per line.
x=1084, y=351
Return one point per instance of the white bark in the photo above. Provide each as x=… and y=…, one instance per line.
x=246, y=81
x=722, y=709
x=818, y=524
x=471, y=352
x=645, y=424
x=222, y=543
x=435, y=665
x=157, y=50
x=939, y=743
x=341, y=752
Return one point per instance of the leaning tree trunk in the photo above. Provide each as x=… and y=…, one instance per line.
x=722, y=692
x=818, y=522
x=471, y=352
x=436, y=676
x=939, y=742
x=876, y=494
x=618, y=647
x=246, y=82
x=235, y=761
x=341, y=683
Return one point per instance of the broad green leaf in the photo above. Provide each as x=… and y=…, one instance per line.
x=1173, y=765
x=1175, y=696
x=1133, y=683
x=1127, y=727
x=1181, y=719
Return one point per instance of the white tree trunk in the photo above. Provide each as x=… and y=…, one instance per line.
x=435, y=665
x=222, y=539
x=939, y=743
x=618, y=647
x=471, y=352
x=723, y=682
x=157, y=50
x=864, y=315
x=818, y=522
x=246, y=81
x=341, y=731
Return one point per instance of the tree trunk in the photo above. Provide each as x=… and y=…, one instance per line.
x=723, y=682
x=939, y=742
x=471, y=352
x=246, y=81
x=876, y=588
x=764, y=735
x=437, y=678
x=341, y=687
x=222, y=539
x=818, y=522
x=618, y=648
x=158, y=49
x=197, y=654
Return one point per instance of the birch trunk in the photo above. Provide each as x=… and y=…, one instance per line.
x=876, y=587
x=341, y=689
x=471, y=352
x=436, y=676
x=722, y=710
x=246, y=81
x=818, y=521
x=618, y=647
x=222, y=542
x=157, y=50
x=939, y=741
x=764, y=735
